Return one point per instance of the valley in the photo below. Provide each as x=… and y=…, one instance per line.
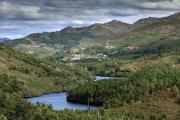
x=128, y=71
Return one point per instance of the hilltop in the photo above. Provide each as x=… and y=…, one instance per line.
x=146, y=55
x=48, y=43
x=99, y=40
x=4, y=39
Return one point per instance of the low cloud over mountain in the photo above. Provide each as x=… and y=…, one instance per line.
x=22, y=17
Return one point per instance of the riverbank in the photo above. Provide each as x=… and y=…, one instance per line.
x=61, y=91
x=69, y=99
x=108, y=75
x=45, y=93
x=91, y=101
x=59, y=101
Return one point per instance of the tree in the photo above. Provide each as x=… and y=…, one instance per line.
x=2, y=117
x=175, y=90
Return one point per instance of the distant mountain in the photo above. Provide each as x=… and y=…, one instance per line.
x=48, y=43
x=112, y=35
x=113, y=26
x=145, y=21
x=4, y=39
x=159, y=24
x=175, y=16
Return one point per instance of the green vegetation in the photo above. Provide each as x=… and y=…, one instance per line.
x=94, y=50
x=40, y=75
x=112, y=67
x=115, y=93
x=47, y=44
x=124, y=63
x=146, y=93
x=13, y=88
x=137, y=39
x=14, y=107
x=114, y=39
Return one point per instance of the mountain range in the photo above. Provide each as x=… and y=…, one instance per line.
x=143, y=60
x=114, y=35
x=4, y=39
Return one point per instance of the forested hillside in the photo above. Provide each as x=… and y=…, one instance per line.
x=45, y=44
x=153, y=107
x=115, y=93
x=40, y=75
x=99, y=41
x=156, y=84
x=144, y=57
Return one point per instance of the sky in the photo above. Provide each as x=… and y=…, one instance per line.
x=19, y=18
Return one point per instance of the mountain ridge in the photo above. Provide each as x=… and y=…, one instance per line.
x=4, y=39
x=98, y=33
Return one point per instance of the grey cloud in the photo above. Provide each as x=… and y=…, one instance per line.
x=26, y=16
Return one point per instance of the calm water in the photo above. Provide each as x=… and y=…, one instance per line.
x=58, y=100
x=103, y=77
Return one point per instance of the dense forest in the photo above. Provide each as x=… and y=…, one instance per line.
x=140, y=89
x=14, y=107
x=40, y=75
x=118, y=95
x=124, y=63
x=115, y=93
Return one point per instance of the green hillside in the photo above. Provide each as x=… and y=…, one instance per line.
x=115, y=93
x=154, y=42
x=145, y=54
x=109, y=38
x=155, y=32
x=65, y=39
x=142, y=97
x=39, y=75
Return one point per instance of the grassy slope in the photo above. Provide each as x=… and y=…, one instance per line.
x=161, y=31
x=40, y=76
x=157, y=42
x=118, y=35
x=66, y=38
x=153, y=105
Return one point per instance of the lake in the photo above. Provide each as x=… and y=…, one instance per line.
x=59, y=102
x=98, y=77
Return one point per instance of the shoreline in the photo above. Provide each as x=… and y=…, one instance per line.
x=45, y=93
x=85, y=102
x=70, y=100
x=104, y=75
x=75, y=100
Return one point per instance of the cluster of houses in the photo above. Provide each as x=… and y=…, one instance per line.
x=78, y=56
x=82, y=56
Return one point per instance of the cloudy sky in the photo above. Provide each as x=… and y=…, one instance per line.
x=19, y=18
